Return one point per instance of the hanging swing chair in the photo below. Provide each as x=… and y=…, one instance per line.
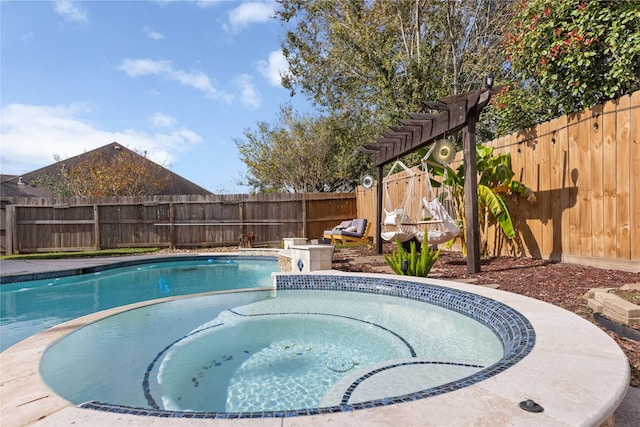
x=397, y=224
x=441, y=227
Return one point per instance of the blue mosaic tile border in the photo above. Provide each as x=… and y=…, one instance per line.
x=14, y=278
x=511, y=327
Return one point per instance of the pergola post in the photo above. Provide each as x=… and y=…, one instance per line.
x=379, y=211
x=472, y=226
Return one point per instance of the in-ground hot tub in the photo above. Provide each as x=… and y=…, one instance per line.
x=318, y=344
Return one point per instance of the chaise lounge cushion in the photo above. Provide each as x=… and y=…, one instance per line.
x=338, y=228
x=343, y=225
x=360, y=225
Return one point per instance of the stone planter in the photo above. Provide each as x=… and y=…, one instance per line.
x=602, y=301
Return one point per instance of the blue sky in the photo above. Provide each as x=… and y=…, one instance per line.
x=178, y=79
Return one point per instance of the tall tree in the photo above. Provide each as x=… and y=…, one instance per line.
x=57, y=183
x=366, y=64
x=125, y=173
x=382, y=58
x=301, y=154
x=566, y=56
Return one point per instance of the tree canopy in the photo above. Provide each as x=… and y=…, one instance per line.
x=566, y=56
x=383, y=58
x=301, y=154
x=366, y=64
x=123, y=174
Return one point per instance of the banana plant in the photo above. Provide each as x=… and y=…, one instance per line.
x=495, y=181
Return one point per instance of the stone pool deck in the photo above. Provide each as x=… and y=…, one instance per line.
x=575, y=371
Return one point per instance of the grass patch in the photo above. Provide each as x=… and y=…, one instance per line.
x=631, y=295
x=82, y=254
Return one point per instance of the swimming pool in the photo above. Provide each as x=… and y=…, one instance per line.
x=552, y=374
x=318, y=345
x=29, y=307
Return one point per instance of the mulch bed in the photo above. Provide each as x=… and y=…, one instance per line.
x=560, y=284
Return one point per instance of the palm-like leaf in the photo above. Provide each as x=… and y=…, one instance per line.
x=487, y=199
x=495, y=179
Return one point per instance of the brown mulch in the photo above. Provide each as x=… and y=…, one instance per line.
x=560, y=284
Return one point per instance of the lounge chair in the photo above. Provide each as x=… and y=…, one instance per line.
x=334, y=232
x=350, y=233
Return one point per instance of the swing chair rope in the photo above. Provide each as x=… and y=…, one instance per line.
x=427, y=178
x=407, y=194
x=425, y=162
x=447, y=229
x=397, y=224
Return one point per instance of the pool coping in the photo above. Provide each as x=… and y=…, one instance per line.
x=590, y=379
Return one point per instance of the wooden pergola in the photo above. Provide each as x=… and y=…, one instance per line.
x=451, y=114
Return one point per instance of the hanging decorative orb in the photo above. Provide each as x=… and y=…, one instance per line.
x=444, y=152
x=367, y=182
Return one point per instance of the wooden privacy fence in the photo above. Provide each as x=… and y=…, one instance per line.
x=585, y=170
x=73, y=224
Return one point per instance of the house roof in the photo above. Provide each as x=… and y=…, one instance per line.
x=16, y=186
x=20, y=186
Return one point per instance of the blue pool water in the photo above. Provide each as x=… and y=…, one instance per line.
x=27, y=308
x=267, y=351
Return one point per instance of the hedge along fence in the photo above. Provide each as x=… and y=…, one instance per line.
x=74, y=224
x=585, y=170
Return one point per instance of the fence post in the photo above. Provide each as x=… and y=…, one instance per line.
x=172, y=227
x=10, y=228
x=241, y=218
x=304, y=215
x=96, y=227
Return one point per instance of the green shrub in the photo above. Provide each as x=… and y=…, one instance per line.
x=418, y=264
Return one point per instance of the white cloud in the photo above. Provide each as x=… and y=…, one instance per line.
x=160, y=120
x=71, y=11
x=195, y=79
x=152, y=34
x=207, y=3
x=199, y=3
x=145, y=67
x=249, y=95
x=248, y=13
x=274, y=68
x=33, y=134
